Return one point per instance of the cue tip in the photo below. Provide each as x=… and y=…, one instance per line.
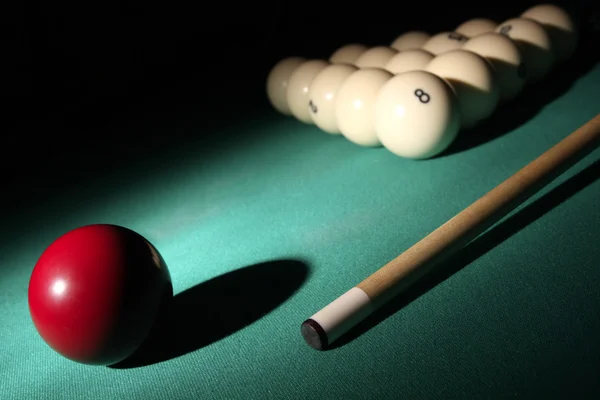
x=314, y=334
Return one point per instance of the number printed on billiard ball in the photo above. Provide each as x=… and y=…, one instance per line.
x=422, y=96
x=504, y=30
x=457, y=36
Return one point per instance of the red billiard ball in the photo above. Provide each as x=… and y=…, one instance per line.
x=96, y=291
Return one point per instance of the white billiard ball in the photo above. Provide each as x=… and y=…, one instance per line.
x=410, y=40
x=277, y=83
x=443, y=42
x=506, y=58
x=408, y=60
x=375, y=57
x=322, y=95
x=354, y=108
x=347, y=54
x=417, y=115
x=535, y=44
x=472, y=78
x=298, y=85
x=559, y=24
x=476, y=26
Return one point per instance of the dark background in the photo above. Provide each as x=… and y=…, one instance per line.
x=91, y=89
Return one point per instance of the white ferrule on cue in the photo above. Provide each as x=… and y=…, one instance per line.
x=343, y=313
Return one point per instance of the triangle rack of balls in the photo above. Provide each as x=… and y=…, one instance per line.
x=417, y=94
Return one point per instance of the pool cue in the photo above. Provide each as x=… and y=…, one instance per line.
x=352, y=307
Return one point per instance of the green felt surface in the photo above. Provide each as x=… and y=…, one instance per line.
x=301, y=217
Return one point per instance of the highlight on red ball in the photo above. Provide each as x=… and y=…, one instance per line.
x=96, y=291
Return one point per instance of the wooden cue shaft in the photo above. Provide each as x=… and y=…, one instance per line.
x=485, y=212
x=397, y=275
